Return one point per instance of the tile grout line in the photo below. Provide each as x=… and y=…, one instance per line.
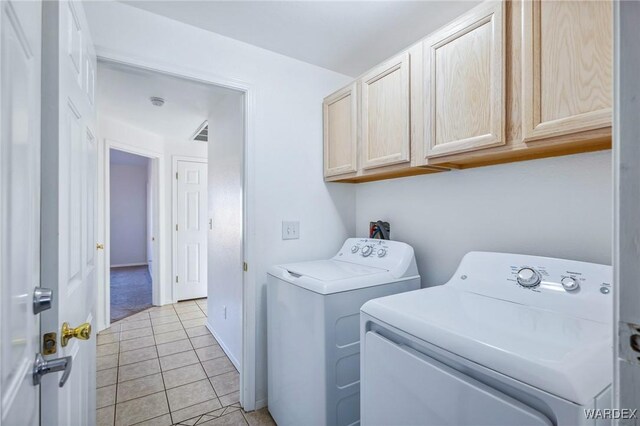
x=207, y=378
x=115, y=398
x=205, y=371
x=153, y=335
x=152, y=418
x=199, y=362
x=164, y=385
x=139, y=397
x=201, y=366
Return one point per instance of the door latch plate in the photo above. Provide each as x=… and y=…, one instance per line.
x=629, y=339
x=49, y=343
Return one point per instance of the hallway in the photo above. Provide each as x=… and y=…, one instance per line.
x=162, y=366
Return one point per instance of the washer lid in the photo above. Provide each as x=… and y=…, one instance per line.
x=566, y=356
x=330, y=270
x=333, y=276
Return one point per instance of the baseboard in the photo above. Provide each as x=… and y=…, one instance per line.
x=101, y=326
x=226, y=350
x=261, y=404
x=124, y=265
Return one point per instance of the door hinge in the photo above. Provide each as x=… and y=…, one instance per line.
x=49, y=343
x=176, y=175
x=176, y=278
x=245, y=267
x=176, y=226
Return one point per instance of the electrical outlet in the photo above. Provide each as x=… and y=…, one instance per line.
x=290, y=230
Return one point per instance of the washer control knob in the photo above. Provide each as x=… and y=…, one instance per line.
x=367, y=250
x=570, y=283
x=355, y=249
x=382, y=253
x=528, y=277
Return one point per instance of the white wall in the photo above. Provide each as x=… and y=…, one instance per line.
x=285, y=163
x=226, y=146
x=126, y=134
x=128, y=214
x=558, y=207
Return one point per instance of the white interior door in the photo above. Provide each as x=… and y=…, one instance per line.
x=68, y=205
x=20, y=29
x=191, y=230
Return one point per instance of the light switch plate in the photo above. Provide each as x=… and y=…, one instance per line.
x=290, y=230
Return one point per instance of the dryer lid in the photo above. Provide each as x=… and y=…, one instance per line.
x=563, y=355
x=330, y=270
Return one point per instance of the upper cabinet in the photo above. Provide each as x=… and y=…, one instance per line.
x=465, y=83
x=385, y=114
x=567, y=55
x=340, y=112
x=507, y=81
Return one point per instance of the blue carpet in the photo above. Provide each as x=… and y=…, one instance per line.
x=130, y=291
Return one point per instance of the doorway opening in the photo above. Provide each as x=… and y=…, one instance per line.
x=131, y=248
x=193, y=133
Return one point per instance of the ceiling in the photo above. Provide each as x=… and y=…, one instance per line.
x=124, y=158
x=124, y=92
x=348, y=37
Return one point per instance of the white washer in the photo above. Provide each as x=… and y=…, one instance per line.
x=509, y=340
x=313, y=328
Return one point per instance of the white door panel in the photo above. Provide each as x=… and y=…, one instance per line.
x=68, y=205
x=191, y=232
x=20, y=55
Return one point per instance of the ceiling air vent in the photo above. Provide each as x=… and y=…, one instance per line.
x=202, y=134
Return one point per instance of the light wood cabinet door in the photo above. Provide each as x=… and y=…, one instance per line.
x=385, y=114
x=340, y=112
x=567, y=67
x=465, y=83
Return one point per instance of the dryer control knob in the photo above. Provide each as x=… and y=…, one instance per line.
x=367, y=250
x=382, y=253
x=570, y=283
x=355, y=249
x=528, y=277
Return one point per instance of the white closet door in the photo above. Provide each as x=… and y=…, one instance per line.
x=191, y=230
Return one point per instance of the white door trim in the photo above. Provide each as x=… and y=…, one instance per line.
x=174, y=217
x=104, y=292
x=626, y=210
x=249, y=344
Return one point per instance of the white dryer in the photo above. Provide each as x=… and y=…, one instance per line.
x=313, y=328
x=509, y=340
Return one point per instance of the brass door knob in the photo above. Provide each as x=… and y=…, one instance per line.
x=82, y=332
x=99, y=246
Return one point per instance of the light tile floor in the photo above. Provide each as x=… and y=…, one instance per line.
x=163, y=367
